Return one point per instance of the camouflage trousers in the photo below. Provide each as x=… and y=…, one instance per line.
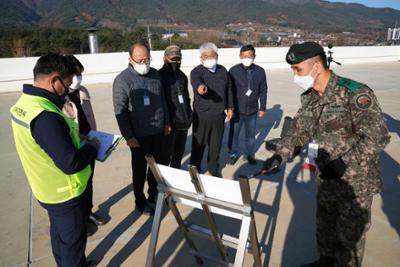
x=343, y=218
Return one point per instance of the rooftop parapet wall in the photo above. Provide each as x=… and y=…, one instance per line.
x=103, y=68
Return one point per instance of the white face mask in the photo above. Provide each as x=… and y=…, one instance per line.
x=76, y=82
x=210, y=63
x=247, y=61
x=305, y=82
x=142, y=69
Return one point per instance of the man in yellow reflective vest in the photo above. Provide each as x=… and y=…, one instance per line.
x=55, y=163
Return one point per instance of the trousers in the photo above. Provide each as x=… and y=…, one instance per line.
x=343, y=219
x=68, y=231
x=175, y=143
x=152, y=145
x=207, y=132
x=249, y=122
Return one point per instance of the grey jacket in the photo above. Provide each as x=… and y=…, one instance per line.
x=135, y=117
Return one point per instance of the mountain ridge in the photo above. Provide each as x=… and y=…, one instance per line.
x=308, y=14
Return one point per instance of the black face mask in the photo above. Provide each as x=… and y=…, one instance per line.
x=64, y=95
x=174, y=66
x=66, y=89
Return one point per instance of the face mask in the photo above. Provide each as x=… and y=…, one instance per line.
x=66, y=89
x=142, y=69
x=64, y=95
x=76, y=82
x=247, y=61
x=174, y=66
x=210, y=63
x=305, y=82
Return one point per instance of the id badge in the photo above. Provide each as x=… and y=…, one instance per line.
x=180, y=98
x=313, y=150
x=146, y=100
x=248, y=93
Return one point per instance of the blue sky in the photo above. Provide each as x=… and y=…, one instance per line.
x=374, y=3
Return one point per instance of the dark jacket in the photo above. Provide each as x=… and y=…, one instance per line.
x=244, y=78
x=135, y=119
x=84, y=126
x=218, y=97
x=175, y=86
x=51, y=133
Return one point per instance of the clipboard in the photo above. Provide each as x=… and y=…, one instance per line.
x=108, y=143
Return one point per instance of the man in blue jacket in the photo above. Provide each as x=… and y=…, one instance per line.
x=249, y=85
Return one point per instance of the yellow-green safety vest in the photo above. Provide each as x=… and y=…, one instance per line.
x=49, y=184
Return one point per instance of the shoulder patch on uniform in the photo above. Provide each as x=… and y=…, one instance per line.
x=363, y=101
x=349, y=84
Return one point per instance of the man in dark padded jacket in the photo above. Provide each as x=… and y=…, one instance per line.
x=175, y=84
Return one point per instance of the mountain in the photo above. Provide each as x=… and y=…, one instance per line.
x=308, y=14
x=15, y=12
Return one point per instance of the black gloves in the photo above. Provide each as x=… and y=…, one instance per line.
x=330, y=169
x=272, y=164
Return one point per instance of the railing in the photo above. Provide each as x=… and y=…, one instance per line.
x=103, y=68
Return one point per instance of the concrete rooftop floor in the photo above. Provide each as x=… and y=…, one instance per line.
x=284, y=203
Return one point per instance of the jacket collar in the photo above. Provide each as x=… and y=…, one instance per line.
x=330, y=92
x=211, y=70
x=251, y=67
x=36, y=91
x=169, y=70
x=132, y=70
x=311, y=97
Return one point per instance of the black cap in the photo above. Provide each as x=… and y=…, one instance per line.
x=300, y=52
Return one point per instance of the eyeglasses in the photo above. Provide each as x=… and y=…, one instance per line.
x=142, y=61
x=205, y=57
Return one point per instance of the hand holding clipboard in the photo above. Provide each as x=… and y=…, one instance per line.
x=108, y=142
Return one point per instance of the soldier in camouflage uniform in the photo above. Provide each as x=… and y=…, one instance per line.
x=342, y=120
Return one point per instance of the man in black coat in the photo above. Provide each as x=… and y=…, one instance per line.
x=175, y=84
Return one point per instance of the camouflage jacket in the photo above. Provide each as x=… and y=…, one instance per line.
x=347, y=122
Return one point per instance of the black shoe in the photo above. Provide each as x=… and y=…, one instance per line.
x=139, y=209
x=214, y=173
x=91, y=228
x=147, y=210
x=233, y=159
x=91, y=263
x=251, y=160
x=97, y=219
x=152, y=204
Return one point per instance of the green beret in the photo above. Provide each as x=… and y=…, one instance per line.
x=300, y=52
